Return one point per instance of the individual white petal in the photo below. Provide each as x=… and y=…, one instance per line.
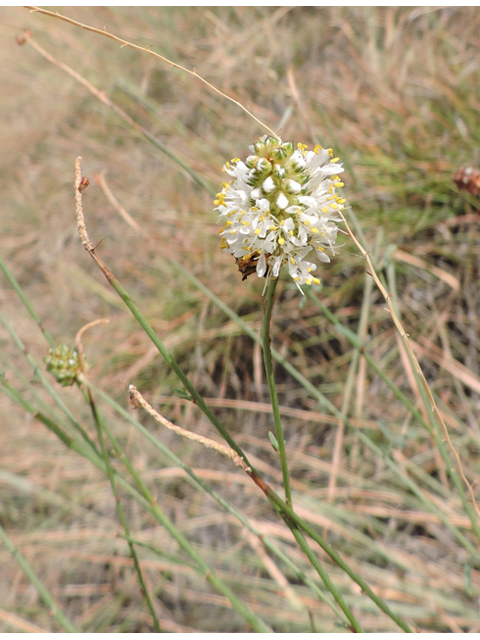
x=282, y=201
x=264, y=205
x=292, y=186
x=261, y=265
x=277, y=263
x=322, y=256
x=308, y=201
x=288, y=225
x=268, y=185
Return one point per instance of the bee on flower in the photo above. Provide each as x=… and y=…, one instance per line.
x=280, y=207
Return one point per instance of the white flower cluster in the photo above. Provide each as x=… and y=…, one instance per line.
x=279, y=206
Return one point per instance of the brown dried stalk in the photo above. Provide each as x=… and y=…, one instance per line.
x=137, y=400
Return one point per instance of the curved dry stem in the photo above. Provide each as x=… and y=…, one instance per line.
x=102, y=183
x=126, y=43
x=78, y=341
x=413, y=359
x=138, y=400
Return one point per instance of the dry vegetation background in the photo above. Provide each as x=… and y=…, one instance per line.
x=396, y=93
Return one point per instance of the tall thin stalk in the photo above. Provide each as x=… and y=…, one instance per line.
x=267, y=359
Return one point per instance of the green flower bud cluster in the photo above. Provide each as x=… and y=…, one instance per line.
x=63, y=363
x=274, y=174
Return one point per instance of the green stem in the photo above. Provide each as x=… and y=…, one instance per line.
x=324, y=402
x=121, y=514
x=44, y=593
x=359, y=345
x=310, y=531
x=256, y=623
x=267, y=358
x=202, y=567
x=303, y=544
x=218, y=498
x=147, y=327
x=68, y=441
x=300, y=538
x=18, y=289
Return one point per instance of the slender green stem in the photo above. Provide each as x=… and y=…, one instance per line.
x=303, y=544
x=267, y=359
x=323, y=401
x=289, y=513
x=358, y=344
x=44, y=593
x=147, y=327
x=300, y=538
x=258, y=625
x=218, y=498
x=71, y=443
x=439, y=437
x=121, y=514
x=18, y=289
x=269, y=493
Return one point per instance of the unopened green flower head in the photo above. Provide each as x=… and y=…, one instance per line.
x=63, y=363
x=281, y=206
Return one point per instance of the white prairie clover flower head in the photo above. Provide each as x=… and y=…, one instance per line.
x=279, y=207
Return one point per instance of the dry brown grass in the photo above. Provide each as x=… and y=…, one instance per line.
x=396, y=93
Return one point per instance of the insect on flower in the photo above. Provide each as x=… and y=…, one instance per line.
x=248, y=265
